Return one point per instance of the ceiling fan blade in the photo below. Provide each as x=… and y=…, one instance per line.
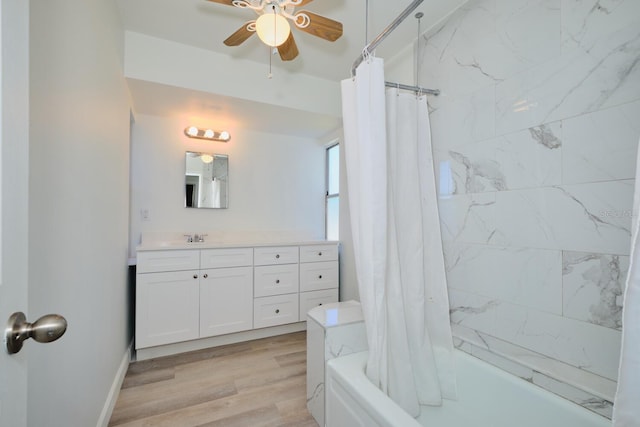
x=239, y=36
x=288, y=50
x=322, y=27
x=227, y=2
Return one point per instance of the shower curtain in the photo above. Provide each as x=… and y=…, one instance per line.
x=215, y=193
x=625, y=408
x=397, y=242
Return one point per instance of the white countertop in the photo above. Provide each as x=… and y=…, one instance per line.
x=337, y=313
x=219, y=244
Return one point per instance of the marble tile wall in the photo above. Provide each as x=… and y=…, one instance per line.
x=535, y=138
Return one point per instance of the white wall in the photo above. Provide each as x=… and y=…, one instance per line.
x=78, y=207
x=175, y=64
x=276, y=182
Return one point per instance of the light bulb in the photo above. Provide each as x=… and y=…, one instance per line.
x=192, y=131
x=209, y=133
x=224, y=135
x=206, y=158
x=273, y=29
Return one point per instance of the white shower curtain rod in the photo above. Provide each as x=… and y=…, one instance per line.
x=383, y=35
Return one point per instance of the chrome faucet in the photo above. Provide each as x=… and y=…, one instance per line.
x=199, y=238
x=189, y=238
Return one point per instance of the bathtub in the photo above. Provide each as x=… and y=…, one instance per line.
x=487, y=397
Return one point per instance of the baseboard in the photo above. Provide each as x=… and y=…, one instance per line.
x=112, y=397
x=199, y=344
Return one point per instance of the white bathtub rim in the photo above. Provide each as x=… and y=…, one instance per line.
x=350, y=371
x=580, y=379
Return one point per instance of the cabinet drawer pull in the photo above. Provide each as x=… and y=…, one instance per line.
x=320, y=304
x=277, y=256
x=319, y=253
x=205, y=275
x=195, y=276
x=277, y=310
x=320, y=276
x=277, y=280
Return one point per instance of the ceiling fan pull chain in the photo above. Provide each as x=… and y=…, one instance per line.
x=270, y=75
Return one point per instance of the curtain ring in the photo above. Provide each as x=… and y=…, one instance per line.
x=366, y=55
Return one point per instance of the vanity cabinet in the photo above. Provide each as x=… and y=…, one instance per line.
x=189, y=294
x=215, y=298
x=276, y=286
x=318, y=277
x=167, y=297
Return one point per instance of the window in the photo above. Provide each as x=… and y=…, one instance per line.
x=333, y=193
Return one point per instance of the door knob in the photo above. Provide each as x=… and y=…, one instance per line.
x=46, y=329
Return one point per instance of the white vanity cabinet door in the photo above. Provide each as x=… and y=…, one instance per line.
x=318, y=253
x=226, y=300
x=276, y=255
x=318, y=275
x=309, y=300
x=275, y=280
x=166, y=308
x=275, y=310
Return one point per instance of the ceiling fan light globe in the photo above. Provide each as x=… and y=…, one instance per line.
x=269, y=35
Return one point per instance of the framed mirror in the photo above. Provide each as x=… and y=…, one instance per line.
x=206, y=180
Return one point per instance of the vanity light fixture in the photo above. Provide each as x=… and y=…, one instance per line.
x=208, y=134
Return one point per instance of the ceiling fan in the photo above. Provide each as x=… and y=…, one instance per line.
x=274, y=30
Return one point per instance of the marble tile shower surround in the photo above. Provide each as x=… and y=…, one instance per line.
x=535, y=138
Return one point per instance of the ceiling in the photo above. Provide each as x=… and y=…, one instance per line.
x=205, y=25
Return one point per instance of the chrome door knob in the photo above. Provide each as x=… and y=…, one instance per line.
x=48, y=328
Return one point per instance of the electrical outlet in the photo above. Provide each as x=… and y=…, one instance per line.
x=144, y=214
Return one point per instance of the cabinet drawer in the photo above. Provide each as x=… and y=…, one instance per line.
x=275, y=280
x=309, y=300
x=276, y=255
x=233, y=257
x=276, y=310
x=318, y=275
x=177, y=260
x=318, y=253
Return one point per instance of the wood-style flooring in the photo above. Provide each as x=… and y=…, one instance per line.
x=256, y=383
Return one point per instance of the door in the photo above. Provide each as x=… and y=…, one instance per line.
x=14, y=160
x=167, y=307
x=226, y=300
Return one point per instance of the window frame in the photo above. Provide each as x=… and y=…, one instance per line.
x=328, y=196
